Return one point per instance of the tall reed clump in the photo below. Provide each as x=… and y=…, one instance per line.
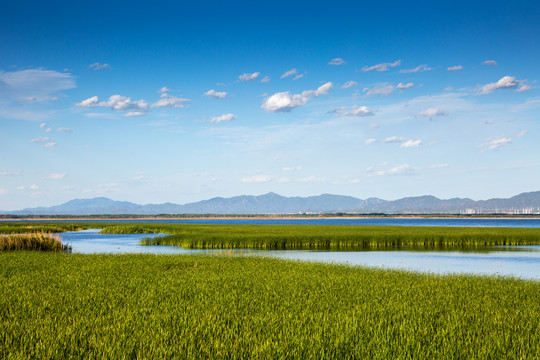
x=37, y=242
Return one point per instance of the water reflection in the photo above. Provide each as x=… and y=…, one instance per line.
x=518, y=261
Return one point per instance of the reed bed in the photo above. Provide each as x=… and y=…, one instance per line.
x=218, y=307
x=36, y=242
x=35, y=227
x=202, y=236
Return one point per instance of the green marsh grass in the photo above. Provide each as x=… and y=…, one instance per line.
x=217, y=307
x=202, y=236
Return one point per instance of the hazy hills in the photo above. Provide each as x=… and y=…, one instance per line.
x=272, y=203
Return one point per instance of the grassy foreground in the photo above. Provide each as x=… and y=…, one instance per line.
x=201, y=236
x=146, y=306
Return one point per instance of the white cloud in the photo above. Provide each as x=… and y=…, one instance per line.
x=2, y=191
x=248, y=76
x=393, y=139
x=164, y=90
x=54, y=176
x=140, y=176
x=124, y=103
x=349, y=84
x=288, y=73
x=285, y=101
x=98, y=66
x=50, y=145
x=168, y=101
x=524, y=87
x=224, y=117
x=370, y=141
x=382, y=89
x=42, y=125
x=33, y=187
x=394, y=171
x=312, y=179
x=355, y=111
x=490, y=62
x=405, y=86
x=216, y=94
x=11, y=173
x=411, y=143
x=65, y=130
x=40, y=139
x=381, y=67
x=489, y=121
x=432, y=112
x=337, y=61
x=522, y=133
x=265, y=79
x=496, y=143
x=299, y=76
x=48, y=130
x=506, y=82
x=292, y=168
x=256, y=179
x=419, y=68
x=455, y=68
x=34, y=84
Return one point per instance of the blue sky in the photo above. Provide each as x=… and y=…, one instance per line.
x=180, y=102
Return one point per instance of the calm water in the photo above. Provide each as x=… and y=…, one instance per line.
x=516, y=261
x=521, y=223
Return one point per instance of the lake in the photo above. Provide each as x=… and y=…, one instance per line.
x=522, y=261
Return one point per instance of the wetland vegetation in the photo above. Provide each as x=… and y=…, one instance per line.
x=192, y=306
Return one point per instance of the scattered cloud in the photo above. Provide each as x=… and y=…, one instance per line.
x=349, y=84
x=216, y=94
x=168, y=101
x=393, y=139
x=496, y=143
x=312, y=179
x=33, y=187
x=50, y=145
x=11, y=173
x=256, y=179
x=381, y=67
x=65, y=130
x=520, y=135
x=394, y=171
x=285, y=101
x=54, y=176
x=370, y=141
x=355, y=111
x=34, y=84
x=292, y=168
x=118, y=103
x=42, y=125
x=405, y=86
x=490, y=63
x=419, y=68
x=288, y=73
x=41, y=139
x=506, y=82
x=140, y=176
x=221, y=118
x=249, y=77
x=98, y=66
x=411, y=143
x=337, y=61
x=431, y=112
x=164, y=90
x=384, y=89
x=265, y=79
x=455, y=68
x=2, y=191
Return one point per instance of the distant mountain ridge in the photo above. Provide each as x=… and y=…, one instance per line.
x=272, y=203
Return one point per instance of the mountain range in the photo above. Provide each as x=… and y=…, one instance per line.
x=272, y=203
